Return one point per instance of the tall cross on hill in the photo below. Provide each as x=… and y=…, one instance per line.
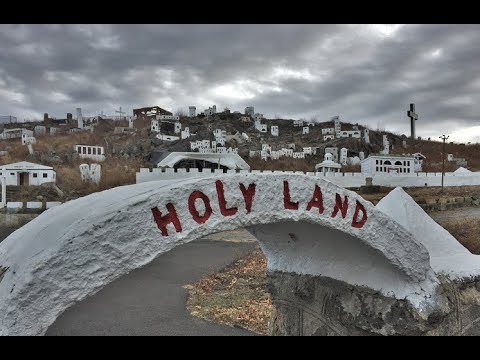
x=413, y=117
x=120, y=112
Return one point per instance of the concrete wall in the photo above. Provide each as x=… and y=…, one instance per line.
x=340, y=179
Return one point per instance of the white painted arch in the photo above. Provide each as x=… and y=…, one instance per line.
x=72, y=251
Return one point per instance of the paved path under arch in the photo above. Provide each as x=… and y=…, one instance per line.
x=151, y=300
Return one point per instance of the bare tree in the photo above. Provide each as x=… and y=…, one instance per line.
x=180, y=112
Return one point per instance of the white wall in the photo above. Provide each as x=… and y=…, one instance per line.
x=96, y=153
x=340, y=179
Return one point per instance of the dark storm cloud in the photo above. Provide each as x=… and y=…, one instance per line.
x=365, y=74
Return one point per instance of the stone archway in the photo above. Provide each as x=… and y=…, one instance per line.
x=72, y=251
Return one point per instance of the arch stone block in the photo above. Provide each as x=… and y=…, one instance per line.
x=311, y=231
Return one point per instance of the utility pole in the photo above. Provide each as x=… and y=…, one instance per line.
x=444, y=138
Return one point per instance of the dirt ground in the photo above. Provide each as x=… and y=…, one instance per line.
x=235, y=296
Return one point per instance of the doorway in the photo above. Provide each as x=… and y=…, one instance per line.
x=23, y=178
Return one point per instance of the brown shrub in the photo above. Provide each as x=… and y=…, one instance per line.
x=466, y=231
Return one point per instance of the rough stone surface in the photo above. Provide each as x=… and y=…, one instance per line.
x=308, y=305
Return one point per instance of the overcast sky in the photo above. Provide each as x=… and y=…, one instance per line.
x=365, y=73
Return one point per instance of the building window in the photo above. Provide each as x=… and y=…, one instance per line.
x=408, y=163
x=84, y=150
x=94, y=151
x=89, y=151
x=35, y=175
x=45, y=175
x=12, y=174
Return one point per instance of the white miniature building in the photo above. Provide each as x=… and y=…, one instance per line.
x=305, y=130
x=297, y=122
x=337, y=125
x=366, y=136
x=79, y=118
x=355, y=160
x=245, y=137
x=417, y=166
x=288, y=152
x=334, y=151
x=308, y=150
x=27, y=173
x=328, y=165
x=361, y=155
x=130, y=122
x=245, y=119
x=291, y=146
x=219, y=133
x=404, y=144
x=328, y=137
x=27, y=137
x=177, y=127
x=386, y=146
x=262, y=128
x=258, y=117
x=92, y=172
x=96, y=153
x=264, y=154
x=185, y=134
x=351, y=133
x=192, y=111
x=12, y=133
x=274, y=130
x=275, y=155
x=155, y=126
x=168, y=117
x=250, y=111
x=385, y=164
x=343, y=156
x=210, y=111
x=266, y=147
x=40, y=130
x=299, y=155
x=328, y=131
x=449, y=157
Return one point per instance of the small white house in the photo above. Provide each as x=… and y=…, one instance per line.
x=352, y=133
x=27, y=173
x=96, y=153
x=387, y=164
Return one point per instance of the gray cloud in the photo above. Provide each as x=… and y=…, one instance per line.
x=365, y=74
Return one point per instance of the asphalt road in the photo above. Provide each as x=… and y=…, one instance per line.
x=151, y=300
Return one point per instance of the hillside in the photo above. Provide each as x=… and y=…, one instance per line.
x=127, y=152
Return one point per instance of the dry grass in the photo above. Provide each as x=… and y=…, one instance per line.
x=58, y=151
x=421, y=193
x=466, y=231
x=115, y=172
x=235, y=296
